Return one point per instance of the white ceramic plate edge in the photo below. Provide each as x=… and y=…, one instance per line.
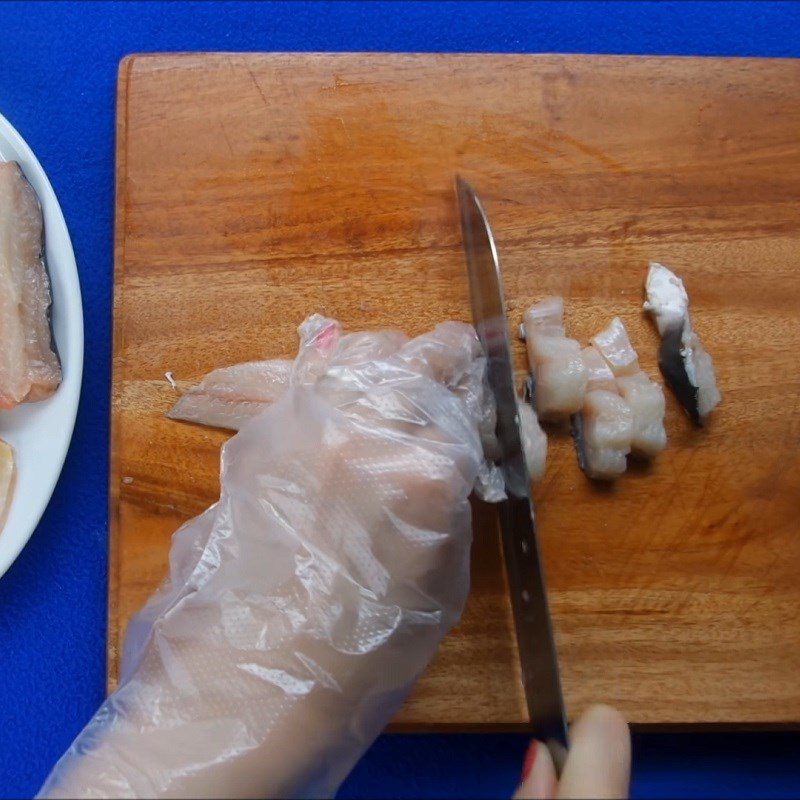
x=41, y=432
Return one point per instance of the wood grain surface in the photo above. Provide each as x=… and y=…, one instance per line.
x=253, y=190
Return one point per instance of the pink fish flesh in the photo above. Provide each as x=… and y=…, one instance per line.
x=230, y=396
x=29, y=366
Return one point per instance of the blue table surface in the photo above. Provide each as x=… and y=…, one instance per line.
x=58, y=67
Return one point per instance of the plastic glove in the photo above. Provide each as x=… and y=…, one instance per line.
x=598, y=764
x=301, y=608
x=231, y=396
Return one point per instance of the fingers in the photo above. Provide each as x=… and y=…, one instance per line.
x=599, y=760
x=444, y=354
x=538, y=774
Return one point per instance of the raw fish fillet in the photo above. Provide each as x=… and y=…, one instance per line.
x=7, y=479
x=554, y=360
x=29, y=366
x=684, y=362
x=231, y=396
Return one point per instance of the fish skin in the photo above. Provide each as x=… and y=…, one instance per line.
x=682, y=357
x=672, y=366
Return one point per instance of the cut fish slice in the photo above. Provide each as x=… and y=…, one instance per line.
x=644, y=396
x=602, y=434
x=7, y=479
x=603, y=429
x=546, y=317
x=685, y=363
x=231, y=396
x=534, y=441
x=554, y=360
x=616, y=348
x=29, y=366
x=598, y=373
x=646, y=401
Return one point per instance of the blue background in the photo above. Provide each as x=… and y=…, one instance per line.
x=58, y=67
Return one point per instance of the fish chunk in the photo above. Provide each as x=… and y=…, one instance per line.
x=598, y=373
x=685, y=363
x=644, y=396
x=230, y=396
x=534, y=441
x=7, y=480
x=555, y=361
x=29, y=365
x=546, y=316
x=602, y=434
x=616, y=348
x=603, y=430
x=646, y=401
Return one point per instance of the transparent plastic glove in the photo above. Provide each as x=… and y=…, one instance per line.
x=301, y=608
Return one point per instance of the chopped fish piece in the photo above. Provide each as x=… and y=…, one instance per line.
x=546, y=316
x=616, y=348
x=646, y=400
x=644, y=396
x=598, y=373
x=29, y=366
x=230, y=396
x=684, y=362
x=555, y=360
x=534, y=441
x=603, y=429
x=602, y=433
x=7, y=479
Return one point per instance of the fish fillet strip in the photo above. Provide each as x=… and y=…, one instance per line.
x=29, y=367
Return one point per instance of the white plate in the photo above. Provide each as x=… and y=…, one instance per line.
x=40, y=432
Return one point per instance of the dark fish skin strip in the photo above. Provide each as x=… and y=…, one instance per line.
x=529, y=391
x=576, y=429
x=673, y=368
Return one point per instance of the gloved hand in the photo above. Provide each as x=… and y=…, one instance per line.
x=301, y=608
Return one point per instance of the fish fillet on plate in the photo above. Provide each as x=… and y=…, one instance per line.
x=684, y=362
x=29, y=365
x=555, y=361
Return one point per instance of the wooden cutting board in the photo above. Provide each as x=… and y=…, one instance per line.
x=253, y=190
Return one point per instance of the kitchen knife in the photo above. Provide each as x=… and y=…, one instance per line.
x=537, y=650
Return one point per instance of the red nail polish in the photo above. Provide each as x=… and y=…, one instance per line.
x=530, y=759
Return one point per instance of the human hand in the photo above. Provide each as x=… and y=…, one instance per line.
x=598, y=764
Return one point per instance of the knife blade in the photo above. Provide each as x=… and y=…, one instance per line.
x=536, y=644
